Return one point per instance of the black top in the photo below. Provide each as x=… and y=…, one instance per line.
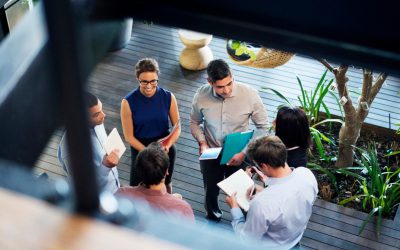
x=297, y=157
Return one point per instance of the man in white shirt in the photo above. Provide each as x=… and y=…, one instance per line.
x=106, y=164
x=278, y=214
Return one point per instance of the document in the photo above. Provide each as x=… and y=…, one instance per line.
x=210, y=153
x=166, y=140
x=114, y=141
x=240, y=183
x=234, y=143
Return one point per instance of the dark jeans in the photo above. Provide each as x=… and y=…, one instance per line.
x=213, y=173
x=135, y=180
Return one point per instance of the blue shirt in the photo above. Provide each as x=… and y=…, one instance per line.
x=150, y=114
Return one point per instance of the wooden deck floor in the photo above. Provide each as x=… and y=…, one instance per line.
x=330, y=227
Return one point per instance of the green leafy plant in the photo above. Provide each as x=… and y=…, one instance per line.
x=379, y=188
x=311, y=102
x=330, y=173
x=398, y=151
x=241, y=50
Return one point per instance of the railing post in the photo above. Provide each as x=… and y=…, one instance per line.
x=69, y=50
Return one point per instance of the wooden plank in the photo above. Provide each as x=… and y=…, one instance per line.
x=353, y=230
x=354, y=221
x=352, y=212
x=309, y=243
x=347, y=239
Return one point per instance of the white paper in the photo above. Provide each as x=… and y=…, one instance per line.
x=240, y=183
x=114, y=141
x=210, y=153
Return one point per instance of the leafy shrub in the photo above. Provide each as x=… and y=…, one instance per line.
x=379, y=188
x=311, y=102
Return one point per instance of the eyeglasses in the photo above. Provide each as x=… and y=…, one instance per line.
x=152, y=82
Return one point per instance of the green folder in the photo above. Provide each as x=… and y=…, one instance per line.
x=235, y=143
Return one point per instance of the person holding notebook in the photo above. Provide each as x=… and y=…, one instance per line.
x=106, y=164
x=144, y=115
x=219, y=108
x=278, y=214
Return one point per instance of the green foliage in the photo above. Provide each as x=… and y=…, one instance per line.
x=395, y=152
x=379, y=188
x=241, y=48
x=330, y=173
x=312, y=102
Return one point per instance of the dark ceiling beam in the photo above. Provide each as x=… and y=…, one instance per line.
x=361, y=33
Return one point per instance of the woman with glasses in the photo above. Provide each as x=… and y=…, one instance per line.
x=291, y=126
x=144, y=115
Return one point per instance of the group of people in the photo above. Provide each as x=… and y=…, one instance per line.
x=279, y=210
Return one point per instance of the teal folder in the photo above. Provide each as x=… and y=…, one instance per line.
x=234, y=143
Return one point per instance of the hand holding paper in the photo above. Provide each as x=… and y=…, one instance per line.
x=239, y=183
x=113, y=142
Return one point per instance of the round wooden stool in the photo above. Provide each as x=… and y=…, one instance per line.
x=196, y=55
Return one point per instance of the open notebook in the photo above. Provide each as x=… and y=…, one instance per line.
x=240, y=183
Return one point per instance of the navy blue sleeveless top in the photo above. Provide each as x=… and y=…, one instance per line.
x=150, y=114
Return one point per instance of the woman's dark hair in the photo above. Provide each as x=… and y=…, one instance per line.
x=217, y=70
x=152, y=164
x=292, y=127
x=146, y=65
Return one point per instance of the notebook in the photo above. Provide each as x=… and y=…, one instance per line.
x=210, y=153
x=114, y=141
x=240, y=183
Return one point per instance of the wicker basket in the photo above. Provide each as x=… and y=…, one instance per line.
x=266, y=58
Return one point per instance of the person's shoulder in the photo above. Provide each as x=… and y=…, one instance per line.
x=302, y=170
x=245, y=88
x=205, y=88
x=164, y=92
x=129, y=191
x=132, y=94
x=177, y=201
x=304, y=173
x=205, y=91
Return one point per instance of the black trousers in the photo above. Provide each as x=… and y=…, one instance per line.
x=135, y=180
x=213, y=173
